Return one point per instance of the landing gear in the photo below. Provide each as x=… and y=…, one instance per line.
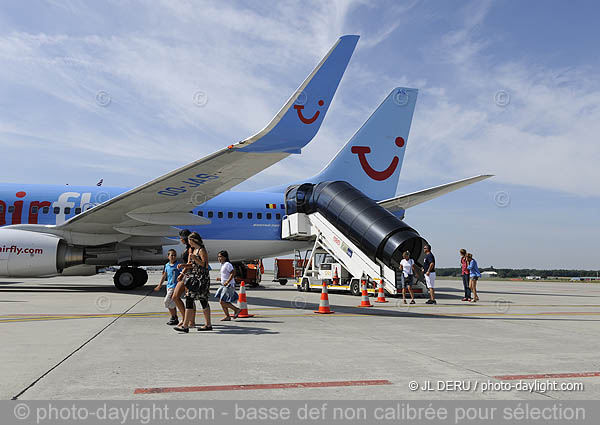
x=282, y=281
x=128, y=278
x=140, y=277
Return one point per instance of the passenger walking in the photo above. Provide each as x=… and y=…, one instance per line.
x=408, y=272
x=429, y=271
x=180, y=288
x=170, y=274
x=464, y=267
x=226, y=292
x=197, y=284
x=474, y=275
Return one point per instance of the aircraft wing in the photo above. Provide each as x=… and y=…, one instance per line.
x=410, y=200
x=150, y=209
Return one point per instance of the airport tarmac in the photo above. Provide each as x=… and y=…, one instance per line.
x=80, y=338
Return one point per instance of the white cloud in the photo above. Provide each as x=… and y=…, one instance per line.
x=248, y=60
x=526, y=123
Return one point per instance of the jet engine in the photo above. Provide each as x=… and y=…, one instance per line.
x=31, y=254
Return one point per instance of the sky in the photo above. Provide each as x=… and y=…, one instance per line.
x=126, y=91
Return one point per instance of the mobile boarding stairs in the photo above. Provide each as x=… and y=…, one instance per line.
x=363, y=237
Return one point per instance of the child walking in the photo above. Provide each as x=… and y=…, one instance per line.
x=226, y=292
x=170, y=274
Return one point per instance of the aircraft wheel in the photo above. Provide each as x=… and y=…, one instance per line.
x=282, y=281
x=140, y=277
x=124, y=279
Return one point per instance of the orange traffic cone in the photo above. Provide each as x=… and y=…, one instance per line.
x=243, y=302
x=364, y=299
x=336, y=278
x=324, y=304
x=380, y=293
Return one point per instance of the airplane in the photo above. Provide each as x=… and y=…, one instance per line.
x=47, y=230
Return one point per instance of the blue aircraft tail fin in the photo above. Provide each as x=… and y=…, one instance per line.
x=300, y=118
x=372, y=158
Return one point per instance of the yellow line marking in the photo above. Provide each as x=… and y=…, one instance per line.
x=11, y=317
x=310, y=314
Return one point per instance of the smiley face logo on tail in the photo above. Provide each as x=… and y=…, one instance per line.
x=305, y=120
x=362, y=152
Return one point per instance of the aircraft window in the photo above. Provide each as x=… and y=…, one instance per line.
x=67, y=210
x=220, y=214
x=77, y=210
x=249, y=215
x=210, y=214
x=269, y=216
x=11, y=209
x=278, y=216
x=282, y=206
x=229, y=214
x=56, y=210
x=1, y=209
x=34, y=210
x=201, y=213
x=46, y=210
x=259, y=216
x=240, y=215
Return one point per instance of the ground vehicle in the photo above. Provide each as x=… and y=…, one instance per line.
x=363, y=240
x=324, y=268
x=289, y=268
x=249, y=272
x=339, y=279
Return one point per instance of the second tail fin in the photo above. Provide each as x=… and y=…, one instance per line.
x=372, y=158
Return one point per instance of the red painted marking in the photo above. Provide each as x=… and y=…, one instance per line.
x=3, y=216
x=548, y=375
x=21, y=194
x=321, y=103
x=16, y=215
x=33, y=217
x=361, y=151
x=305, y=120
x=260, y=386
x=399, y=142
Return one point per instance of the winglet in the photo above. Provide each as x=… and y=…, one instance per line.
x=300, y=118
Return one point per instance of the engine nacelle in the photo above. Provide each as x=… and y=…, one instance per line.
x=31, y=254
x=80, y=270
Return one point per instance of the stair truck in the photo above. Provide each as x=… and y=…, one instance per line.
x=356, y=238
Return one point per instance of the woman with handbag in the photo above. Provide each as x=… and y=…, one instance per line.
x=226, y=293
x=180, y=288
x=197, y=284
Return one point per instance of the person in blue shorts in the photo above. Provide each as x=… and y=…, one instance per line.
x=474, y=274
x=170, y=274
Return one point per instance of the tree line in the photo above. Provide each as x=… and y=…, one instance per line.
x=516, y=273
